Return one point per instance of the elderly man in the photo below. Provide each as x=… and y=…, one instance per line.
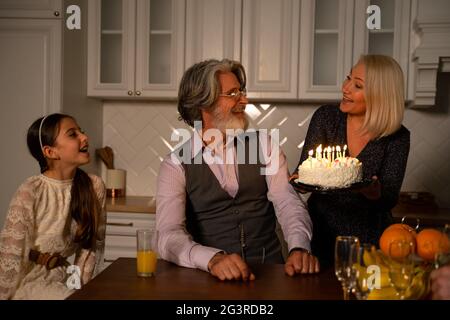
x=217, y=212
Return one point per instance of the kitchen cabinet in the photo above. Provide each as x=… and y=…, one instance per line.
x=393, y=37
x=270, y=44
x=331, y=43
x=291, y=49
x=121, y=230
x=47, y=9
x=135, y=48
x=262, y=34
x=213, y=30
x=326, y=34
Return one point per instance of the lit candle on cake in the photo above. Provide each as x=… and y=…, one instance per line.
x=345, y=148
x=333, y=155
x=319, y=152
x=310, y=153
x=329, y=154
x=338, y=151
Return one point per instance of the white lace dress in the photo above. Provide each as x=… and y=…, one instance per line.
x=38, y=218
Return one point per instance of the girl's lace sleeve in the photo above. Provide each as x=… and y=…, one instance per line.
x=91, y=261
x=15, y=241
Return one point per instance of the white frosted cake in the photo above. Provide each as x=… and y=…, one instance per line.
x=330, y=172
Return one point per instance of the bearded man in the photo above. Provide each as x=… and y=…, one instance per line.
x=215, y=210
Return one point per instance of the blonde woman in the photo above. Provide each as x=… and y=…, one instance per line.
x=369, y=121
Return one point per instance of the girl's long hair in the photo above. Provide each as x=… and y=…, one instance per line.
x=84, y=207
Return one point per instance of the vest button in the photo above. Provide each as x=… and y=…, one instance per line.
x=236, y=211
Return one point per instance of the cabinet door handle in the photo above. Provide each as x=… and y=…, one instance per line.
x=130, y=93
x=119, y=224
x=138, y=93
x=56, y=13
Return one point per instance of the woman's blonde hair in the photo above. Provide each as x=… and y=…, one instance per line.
x=384, y=95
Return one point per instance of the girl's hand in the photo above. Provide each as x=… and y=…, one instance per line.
x=373, y=190
x=293, y=177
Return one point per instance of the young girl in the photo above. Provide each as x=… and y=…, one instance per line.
x=52, y=216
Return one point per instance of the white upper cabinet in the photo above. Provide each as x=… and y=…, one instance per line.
x=136, y=48
x=270, y=48
x=392, y=38
x=262, y=34
x=326, y=35
x=213, y=30
x=31, y=9
x=291, y=49
x=334, y=34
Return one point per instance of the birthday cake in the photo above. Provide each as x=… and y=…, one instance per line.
x=330, y=169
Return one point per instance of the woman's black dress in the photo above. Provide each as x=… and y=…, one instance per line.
x=350, y=213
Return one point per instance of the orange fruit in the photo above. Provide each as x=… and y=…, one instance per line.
x=430, y=242
x=403, y=226
x=398, y=232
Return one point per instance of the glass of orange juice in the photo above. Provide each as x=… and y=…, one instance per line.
x=146, y=257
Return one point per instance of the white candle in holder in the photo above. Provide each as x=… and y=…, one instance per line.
x=115, y=182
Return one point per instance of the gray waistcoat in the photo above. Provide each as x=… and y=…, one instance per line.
x=244, y=224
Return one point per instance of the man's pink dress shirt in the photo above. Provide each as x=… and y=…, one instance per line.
x=175, y=244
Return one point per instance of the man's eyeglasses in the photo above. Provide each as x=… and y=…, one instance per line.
x=235, y=94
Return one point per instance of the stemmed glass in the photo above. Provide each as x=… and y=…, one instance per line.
x=401, y=268
x=345, y=255
x=364, y=280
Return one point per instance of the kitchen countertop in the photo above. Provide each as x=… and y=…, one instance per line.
x=428, y=217
x=134, y=204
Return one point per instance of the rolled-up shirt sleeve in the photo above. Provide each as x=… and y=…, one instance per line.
x=174, y=243
x=290, y=209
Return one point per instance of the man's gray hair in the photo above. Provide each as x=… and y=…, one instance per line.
x=200, y=87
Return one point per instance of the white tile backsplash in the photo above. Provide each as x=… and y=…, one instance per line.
x=139, y=133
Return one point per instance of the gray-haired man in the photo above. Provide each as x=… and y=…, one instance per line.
x=219, y=214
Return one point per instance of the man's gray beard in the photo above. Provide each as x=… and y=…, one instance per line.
x=232, y=123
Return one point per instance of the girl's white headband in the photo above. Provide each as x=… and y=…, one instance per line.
x=40, y=132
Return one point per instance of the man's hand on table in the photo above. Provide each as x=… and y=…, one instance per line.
x=301, y=261
x=229, y=267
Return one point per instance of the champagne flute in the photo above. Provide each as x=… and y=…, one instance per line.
x=365, y=280
x=401, y=268
x=344, y=258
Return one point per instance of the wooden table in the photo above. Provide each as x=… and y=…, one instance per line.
x=171, y=282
